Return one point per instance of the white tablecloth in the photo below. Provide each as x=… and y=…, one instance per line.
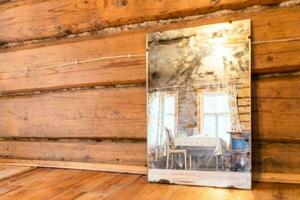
x=198, y=141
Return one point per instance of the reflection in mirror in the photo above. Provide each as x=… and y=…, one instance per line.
x=199, y=114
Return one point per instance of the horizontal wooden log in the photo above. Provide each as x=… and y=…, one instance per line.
x=279, y=57
x=96, y=113
x=108, y=113
x=40, y=19
x=276, y=108
x=276, y=157
x=276, y=177
x=266, y=157
x=243, y=93
x=30, y=69
x=35, y=67
x=244, y=102
x=256, y=176
x=246, y=125
x=244, y=110
x=120, y=153
x=130, y=169
x=245, y=117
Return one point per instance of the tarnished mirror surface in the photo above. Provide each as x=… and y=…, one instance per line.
x=199, y=105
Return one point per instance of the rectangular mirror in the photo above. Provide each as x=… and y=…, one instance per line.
x=199, y=105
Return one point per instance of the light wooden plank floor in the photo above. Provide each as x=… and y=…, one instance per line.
x=45, y=183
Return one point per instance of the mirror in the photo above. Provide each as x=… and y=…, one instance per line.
x=199, y=110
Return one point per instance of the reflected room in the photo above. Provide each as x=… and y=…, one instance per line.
x=199, y=110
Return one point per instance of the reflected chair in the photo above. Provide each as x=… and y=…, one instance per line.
x=171, y=150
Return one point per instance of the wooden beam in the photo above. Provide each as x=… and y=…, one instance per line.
x=276, y=57
x=27, y=68
x=8, y=171
x=257, y=176
x=109, y=152
x=41, y=19
x=275, y=105
x=276, y=108
x=95, y=113
x=272, y=157
x=276, y=177
x=30, y=69
x=267, y=157
x=130, y=169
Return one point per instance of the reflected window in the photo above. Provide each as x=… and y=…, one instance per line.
x=162, y=114
x=170, y=111
x=215, y=115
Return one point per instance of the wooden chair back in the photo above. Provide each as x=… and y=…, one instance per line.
x=170, y=139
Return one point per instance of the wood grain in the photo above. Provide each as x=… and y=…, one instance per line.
x=97, y=187
x=121, y=113
x=277, y=177
x=17, y=163
x=29, y=68
x=119, y=153
x=276, y=57
x=79, y=184
x=58, y=180
x=25, y=68
x=140, y=189
x=276, y=108
x=118, y=113
x=7, y=171
x=130, y=169
x=95, y=113
x=268, y=157
x=276, y=157
x=41, y=19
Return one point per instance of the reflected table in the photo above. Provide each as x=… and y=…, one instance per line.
x=218, y=145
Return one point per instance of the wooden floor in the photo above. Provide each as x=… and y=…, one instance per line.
x=45, y=183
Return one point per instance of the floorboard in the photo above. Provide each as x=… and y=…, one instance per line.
x=68, y=184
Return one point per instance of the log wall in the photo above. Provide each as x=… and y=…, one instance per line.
x=94, y=111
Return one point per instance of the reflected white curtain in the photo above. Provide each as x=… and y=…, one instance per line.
x=156, y=136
